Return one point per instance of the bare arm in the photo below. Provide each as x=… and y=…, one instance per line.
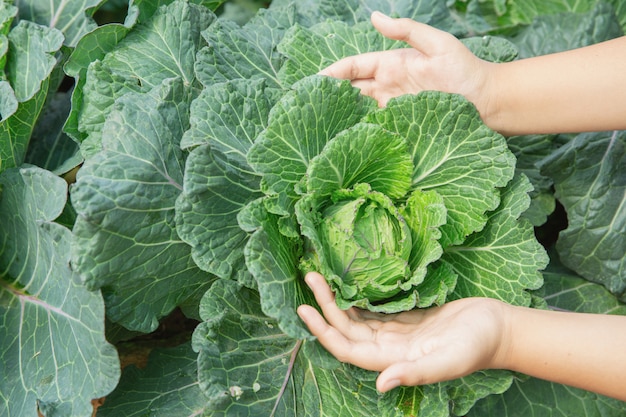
x=573, y=91
x=587, y=351
x=425, y=346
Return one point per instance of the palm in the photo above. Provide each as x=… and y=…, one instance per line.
x=420, y=346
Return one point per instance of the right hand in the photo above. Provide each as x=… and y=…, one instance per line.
x=436, y=61
x=416, y=347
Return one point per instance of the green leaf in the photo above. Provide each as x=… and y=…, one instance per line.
x=296, y=133
x=243, y=356
x=244, y=359
x=541, y=398
x=52, y=344
x=229, y=116
x=206, y=213
x=126, y=239
x=503, y=260
x=273, y=260
x=49, y=147
x=16, y=131
x=218, y=181
x=567, y=291
x=567, y=31
x=29, y=64
x=454, y=153
x=72, y=18
x=425, y=213
x=161, y=48
x=364, y=153
x=7, y=15
x=147, y=8
x=91, y=47
x=247, y=52
x=309, y=50
x=492, y=48
x=31, y=57
x=590, y=182
x=168, y=386
x=502, y=14
x=311, y=12
x=530, y=150
x=525, y=12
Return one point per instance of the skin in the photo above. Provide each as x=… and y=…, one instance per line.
x=425, y=346
x=574, y=91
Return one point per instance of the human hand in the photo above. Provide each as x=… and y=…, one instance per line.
x=416, y=347
x=436, y=61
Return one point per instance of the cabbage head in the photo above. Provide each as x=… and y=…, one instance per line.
x=398, y=208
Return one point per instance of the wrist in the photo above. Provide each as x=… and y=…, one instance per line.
x=488, y=102
x=501, y=358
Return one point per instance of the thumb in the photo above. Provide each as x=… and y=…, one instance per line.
x=428, y=369
x=426, y=39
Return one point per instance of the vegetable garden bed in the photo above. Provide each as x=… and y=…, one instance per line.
x=164, y=181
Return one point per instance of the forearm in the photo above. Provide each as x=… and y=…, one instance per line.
x=587, y=351
x=573, y=91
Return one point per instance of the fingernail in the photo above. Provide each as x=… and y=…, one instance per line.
x=380, y=14
x=392, y=384
x=308, y=278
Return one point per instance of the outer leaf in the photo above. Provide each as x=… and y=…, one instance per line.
x=241, y=378
x=537, y=397
x=52, y=343
x=567, y=31
x=167, y=387
x=229, y=116
x=147, y=8
x=247, y=52
x=491, y=48
x=296, y=133
x=525, y=13
x=161, y=48
x=124, y=197
x=453, y=153
x=310, y=50
x=529, y=151
x=32, y=48
x=29, y=63
x=15, y=132
x=502, y=260
x=206, y=213
x=273, y=260
x=590, y=182
x=244, y=358
x=71, y=17
x=432, y=12
x=567, y=291
x=91, y=47
x=218, y=181
x=49, y=147
x=312, y=12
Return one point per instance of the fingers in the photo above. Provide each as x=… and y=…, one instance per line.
x=326, y=300
x=426, y=39
x=357, y=67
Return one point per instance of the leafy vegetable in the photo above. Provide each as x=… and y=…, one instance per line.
x=594, y=195
x=324, y=175
x=54, y=354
